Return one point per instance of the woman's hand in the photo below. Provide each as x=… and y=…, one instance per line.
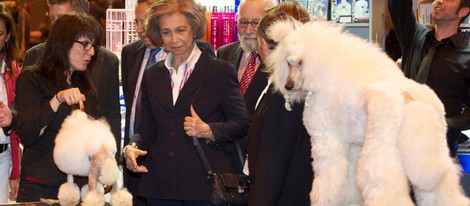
x=131, y=153
x=14, y=185
x=6, y=116
x=70, y=96
x=195, y=127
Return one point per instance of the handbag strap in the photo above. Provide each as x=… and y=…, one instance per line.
x=240, y=154
x=203, y=156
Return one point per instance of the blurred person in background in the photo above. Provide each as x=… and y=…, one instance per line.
x=9, y=142
x=244, y=56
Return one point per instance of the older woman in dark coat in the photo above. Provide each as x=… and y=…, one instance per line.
x=190, y=94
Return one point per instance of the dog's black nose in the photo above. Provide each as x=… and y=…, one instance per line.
x=289, y=87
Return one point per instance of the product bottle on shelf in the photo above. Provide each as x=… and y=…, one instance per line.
x=207, y=35
x=214, y=27
x=226, y=38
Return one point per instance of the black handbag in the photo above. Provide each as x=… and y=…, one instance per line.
x=227, y=188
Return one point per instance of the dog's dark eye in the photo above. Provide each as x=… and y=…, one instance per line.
x=300, y=62
x=289, y=64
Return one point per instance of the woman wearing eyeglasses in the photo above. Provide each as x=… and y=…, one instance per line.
x=47, y=93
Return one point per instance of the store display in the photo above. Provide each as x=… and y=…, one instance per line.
x=318, y=9
x=361, y=11
x=424, y=12
x=344, y=11
x=222, y=26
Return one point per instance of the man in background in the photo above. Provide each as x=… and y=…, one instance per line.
x=438, y=57
x=244, y=56
x=104, y=74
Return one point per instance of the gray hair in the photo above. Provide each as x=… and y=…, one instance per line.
x=269, y=3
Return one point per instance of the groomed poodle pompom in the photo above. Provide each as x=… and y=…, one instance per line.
x=93, y=198
x=121, y=197
x=85, y=190
x=109, y=172
x=86, y=147
x=373, y=131
x=69, y=194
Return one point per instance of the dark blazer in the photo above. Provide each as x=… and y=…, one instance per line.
x=233, y=54
x=279, y=154
x=132, y=56
x=175, y=169
x=105, y=77
x=131, y=60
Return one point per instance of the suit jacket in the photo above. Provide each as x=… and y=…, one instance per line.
x=105, y=77
x=279, y=149
x=132, y=56
x=233, y=54
x=175, y=169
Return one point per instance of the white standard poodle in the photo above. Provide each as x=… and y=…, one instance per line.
x=373, y=130
x=86, y=147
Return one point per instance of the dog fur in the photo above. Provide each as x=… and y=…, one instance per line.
x=373, y=130
x=86, y=147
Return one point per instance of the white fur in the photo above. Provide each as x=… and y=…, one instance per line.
x=109, y=172
x=372, y=129
x=93, y=198
x=121, y=197
x=87, y=135
x=86, y=147
x=69, y=194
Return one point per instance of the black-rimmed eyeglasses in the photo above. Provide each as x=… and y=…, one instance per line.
x=87, y=46
x=244, y=23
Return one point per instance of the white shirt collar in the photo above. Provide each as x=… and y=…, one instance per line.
x=191, y=61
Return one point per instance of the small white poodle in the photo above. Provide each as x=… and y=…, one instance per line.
x=373, y=130
x=86, y=147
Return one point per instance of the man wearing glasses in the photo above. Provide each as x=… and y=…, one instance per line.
x=244, y=55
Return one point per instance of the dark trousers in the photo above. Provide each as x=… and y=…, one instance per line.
x=139, y=200
x=157, y=202
x=32, y=191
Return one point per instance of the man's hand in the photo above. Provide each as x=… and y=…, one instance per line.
x=6, y=116
x=131, y=155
